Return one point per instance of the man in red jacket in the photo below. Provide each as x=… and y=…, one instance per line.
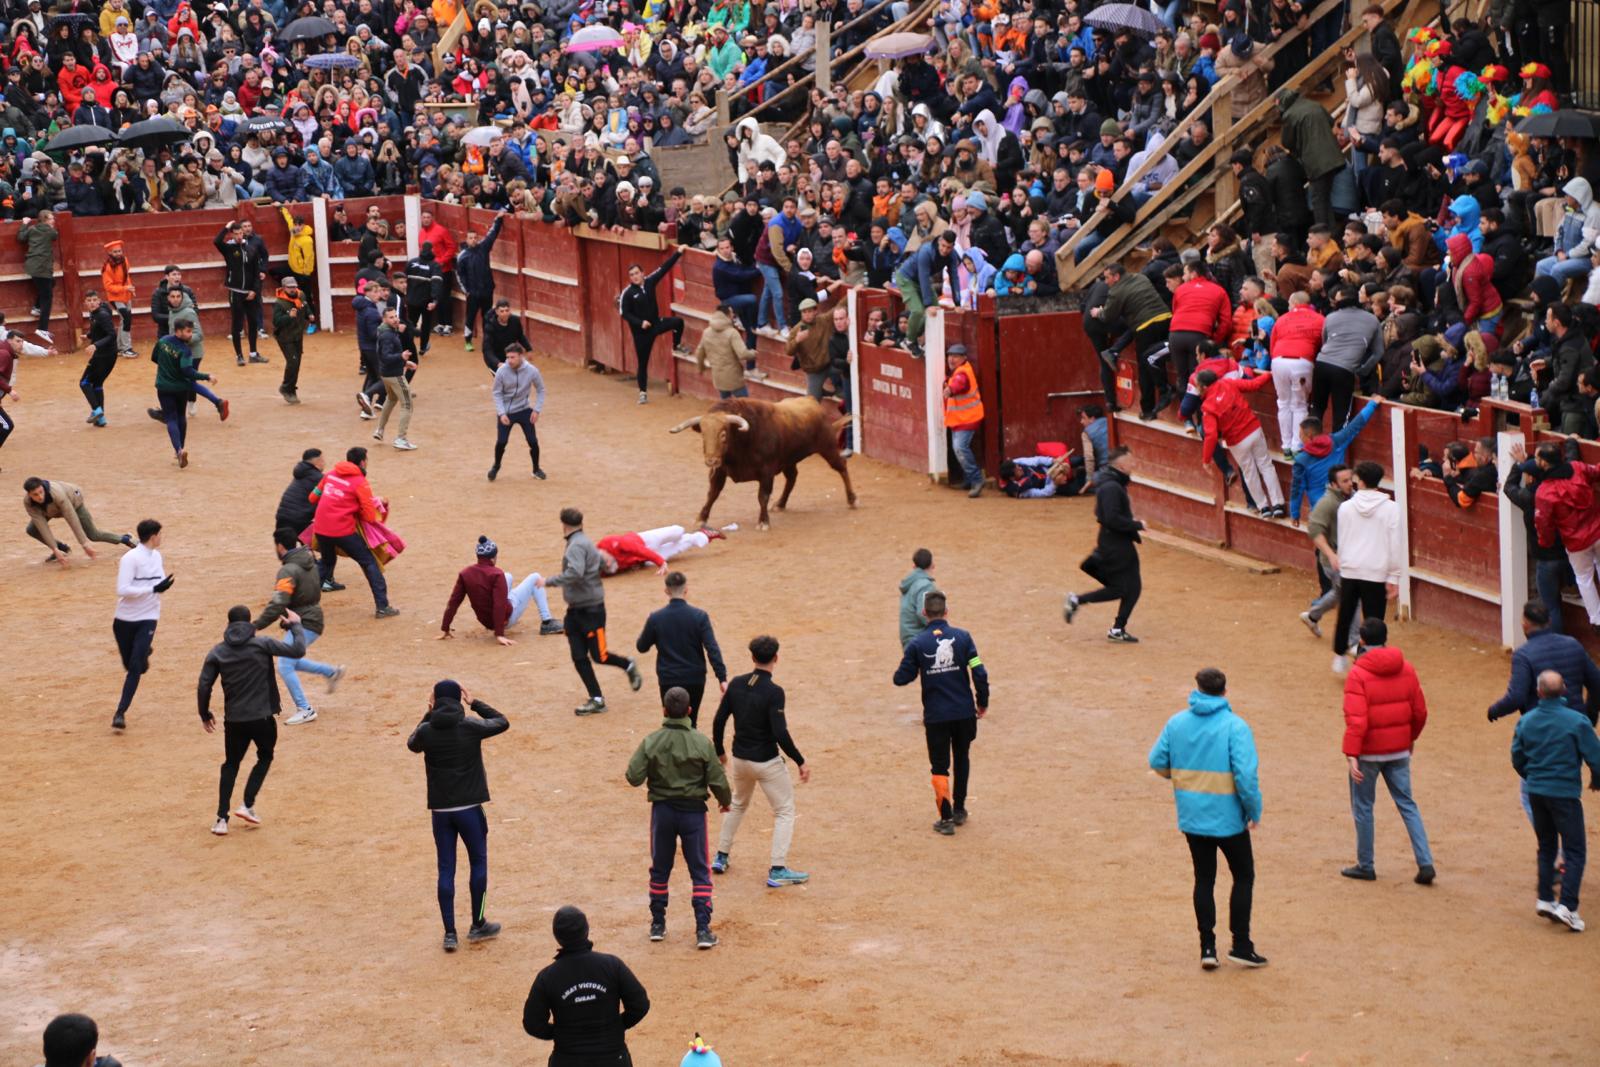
x=1564, y=504
x=1228, y=417
x=1472, y=278
x=1384, y=713
x=342, y=497
x=444, y=250
x=1200, y=309
x=1296, y=339
x=495, y=600
x=625, y=551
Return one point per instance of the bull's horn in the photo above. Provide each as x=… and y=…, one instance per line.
x=686, y=424
x=739, y=421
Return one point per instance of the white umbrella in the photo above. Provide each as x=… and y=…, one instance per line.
x=594, y=38
x=483, y=136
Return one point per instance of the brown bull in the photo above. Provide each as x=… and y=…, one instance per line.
x=754, y=440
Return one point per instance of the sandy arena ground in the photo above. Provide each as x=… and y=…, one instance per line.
x=1054, y=929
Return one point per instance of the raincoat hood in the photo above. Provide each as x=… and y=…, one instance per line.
x=1578, y=189
x=1466, y=210
x=1206, y=704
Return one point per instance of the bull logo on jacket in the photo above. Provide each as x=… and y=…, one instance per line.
x=944, y=657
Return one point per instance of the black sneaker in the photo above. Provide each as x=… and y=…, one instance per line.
x=635, y=679
x=947, y=827
x=450, y=942
x=658, y=929
x=66, y=549
x=155, y=413
x=388, y=611
x=551, y=626
x=1069, y=610
x=332, y=587
x=960, y=817
x=1247, y=957
x=704, y=938
x=1360, y=874
x=484, y=931
x=1208, y=959
x=494, y=472
x=592, y=706
x=118, y=722
x=1116, y=633
x=1425, y=875
x=538, y=473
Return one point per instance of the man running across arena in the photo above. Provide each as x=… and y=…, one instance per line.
x=496, y=602
x=298, y=590
x=141, y=579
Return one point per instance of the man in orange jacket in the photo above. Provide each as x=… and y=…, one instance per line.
x=116, y=286
x=343, y=499
x=963, y=414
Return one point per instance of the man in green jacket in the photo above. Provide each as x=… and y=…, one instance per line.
x=1307, y=134
x=1549, y=749
x=913, y=587
x=175, y=379
x=298, y=588
x=681, y=765
x=39, y=262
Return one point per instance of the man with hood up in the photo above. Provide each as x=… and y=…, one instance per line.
x=250, y=702
x=1576, y=237
x=913, y=588
x=589, y=1026
x=451, y=745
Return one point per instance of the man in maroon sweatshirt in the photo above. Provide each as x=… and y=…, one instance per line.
x=494, y=601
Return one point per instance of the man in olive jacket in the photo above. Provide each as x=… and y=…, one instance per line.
x=250, y=700
x=681, y=766
x=1307, y=135
x=298, y=586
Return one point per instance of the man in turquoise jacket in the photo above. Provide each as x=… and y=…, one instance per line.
x=1549, y=749
x=1210, y=756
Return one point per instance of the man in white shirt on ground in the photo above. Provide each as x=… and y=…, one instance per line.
x=141, y=579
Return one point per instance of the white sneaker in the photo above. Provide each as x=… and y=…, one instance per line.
x=220, y=827
x=366, y=416
x=1311, y=624
x=403, y=445
x=783, y=334
x=301, y=716
x=1341, y=664
x=190, y=411
x=247, y=814
x=377, y=435
x=1548, y=909
x=1570, y=918
x=46, y=335
x=644, y=398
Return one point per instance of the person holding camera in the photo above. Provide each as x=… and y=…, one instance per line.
x=250, y=704
x=451, y=743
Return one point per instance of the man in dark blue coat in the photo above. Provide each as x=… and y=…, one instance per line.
x=683, y=639
x=946, y=659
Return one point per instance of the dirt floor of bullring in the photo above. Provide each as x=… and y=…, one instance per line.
x=1055, y=928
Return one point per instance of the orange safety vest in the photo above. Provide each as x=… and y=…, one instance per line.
x=115, y=284
x=966, y=408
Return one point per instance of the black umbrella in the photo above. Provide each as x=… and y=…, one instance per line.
x=307, y=29
x=154, y=133
x=1557, y=124
x=80, y=137
x=262, y=123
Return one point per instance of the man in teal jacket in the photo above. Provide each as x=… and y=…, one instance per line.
x=1549, y=749
x=1210, y=756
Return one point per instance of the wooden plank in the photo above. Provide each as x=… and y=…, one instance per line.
x=1210, y=552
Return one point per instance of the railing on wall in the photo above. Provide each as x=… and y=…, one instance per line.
x=1583, y=54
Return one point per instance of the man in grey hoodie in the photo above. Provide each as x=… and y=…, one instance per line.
x=913, y=587
x=585, y=620
x=1352, y=344
x=250, y=702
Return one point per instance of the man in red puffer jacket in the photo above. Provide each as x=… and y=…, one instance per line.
x=1564, y=505
x=342, y=497
x=1384, y=713
x=1228, y=418
x=1200, y=309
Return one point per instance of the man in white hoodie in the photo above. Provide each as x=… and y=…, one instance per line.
x=1371, y=552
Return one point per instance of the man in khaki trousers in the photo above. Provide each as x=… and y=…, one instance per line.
x=760, y=741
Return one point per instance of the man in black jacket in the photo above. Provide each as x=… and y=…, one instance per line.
x=1502, y=241
x=160, y=309
x=243, y=260
x=575, y=1001
x=1114, y=561
x=424, y=289
x=683, y=639
x=250, y=701
x=450, y=743
x=501, y=330
x=1287, y=180
x=475, y=275
x=1259, y=221
x=102, y=357
x=295, y=509
x=643, y=315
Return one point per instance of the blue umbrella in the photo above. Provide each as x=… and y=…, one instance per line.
x=333, y=60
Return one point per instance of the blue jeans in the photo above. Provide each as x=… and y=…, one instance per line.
x=1563, y=269
x=961, y=441
x=524, y=593
x=741, y=391
x=1558, y=821
x=1397, y=776
x=771, y=293
x=288, y=669
x=745, y=306
x=1548, y=576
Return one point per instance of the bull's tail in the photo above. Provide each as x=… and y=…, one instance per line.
x=841, y=423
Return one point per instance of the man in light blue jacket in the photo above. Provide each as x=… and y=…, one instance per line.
x=1210, y=756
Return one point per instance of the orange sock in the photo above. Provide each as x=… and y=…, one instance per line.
x=941, y=793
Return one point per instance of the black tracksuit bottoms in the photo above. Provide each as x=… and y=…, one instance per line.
x=502, y=435
x=645, y=340
x=237, y=737
x=671, y=827
x=586, y=638
x=1369, y=597
x=949, y=741
x=1242, y=866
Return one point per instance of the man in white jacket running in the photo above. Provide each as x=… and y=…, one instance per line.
x=1370, y=556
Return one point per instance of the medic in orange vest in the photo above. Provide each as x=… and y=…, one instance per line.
x=963, y=414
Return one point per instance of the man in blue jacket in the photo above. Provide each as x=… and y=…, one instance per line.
x=368, y=307
x=1549, y=749
x=1547, y=650
x=947, y=661
x=1210, y=756
x=1322, y=452
x=684, y=640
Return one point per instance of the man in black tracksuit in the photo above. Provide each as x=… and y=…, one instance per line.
x=476, y=277
x=243, y=260
x=1114, y=562
x=643, y=315
x=249, y=702
x=947, y=661
x=451, y=745
x=102, y=360
x=500, y=330
x=424, y=289
x=295, y=509
x=683, y=638
x=586, y=1001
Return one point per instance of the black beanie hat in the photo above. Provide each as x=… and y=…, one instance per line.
x=570, y=926
x=447, y=690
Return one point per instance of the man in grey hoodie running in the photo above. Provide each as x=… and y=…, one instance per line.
x=585, y=620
